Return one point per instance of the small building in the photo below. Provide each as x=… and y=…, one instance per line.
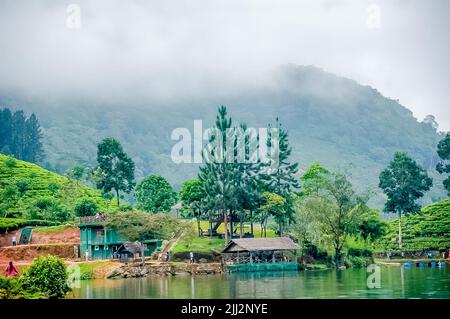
x=260, y=254
x=98, y=242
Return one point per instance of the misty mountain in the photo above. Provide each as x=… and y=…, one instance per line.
x=330, y=119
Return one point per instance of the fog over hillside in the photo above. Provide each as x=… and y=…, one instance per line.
x=331, y=120
x=135, y=51
x=351, y=82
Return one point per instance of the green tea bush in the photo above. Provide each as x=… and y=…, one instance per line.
x=9, y=224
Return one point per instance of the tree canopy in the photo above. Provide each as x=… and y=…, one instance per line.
x=403, y=181
x=20, y=136
x=443, y=150
x=155, y=194
x=115, y=170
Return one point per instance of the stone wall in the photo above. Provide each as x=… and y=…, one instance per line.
x=165, y=269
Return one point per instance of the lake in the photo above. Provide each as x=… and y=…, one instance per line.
x=396, y=282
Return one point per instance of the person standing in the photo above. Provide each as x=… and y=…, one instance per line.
x=14, y=240
x=191, y=257
x=11, y=270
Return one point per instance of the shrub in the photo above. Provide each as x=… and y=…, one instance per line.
x=359, y=252
x=10, y=162
x=357, y=261
x=22, y=187
x=315, y=252
x=8, y=224
x=53, y=188
x=43, y=203
x=49, y=209
x=85, y=207
x=11, y=288
x=48, y=275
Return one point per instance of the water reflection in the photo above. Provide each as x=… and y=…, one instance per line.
x=396, y=282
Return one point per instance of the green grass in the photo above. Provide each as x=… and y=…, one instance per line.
x=41, y=183
x=199, y=244
x=89, y=267
x=206, y=244
x=52, y=229
x=204, y=224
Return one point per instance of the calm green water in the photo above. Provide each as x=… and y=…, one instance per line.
x=396, y=282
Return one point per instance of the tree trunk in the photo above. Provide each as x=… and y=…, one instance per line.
x=225, y=222
x=337, y=257
x=242, y=225
x=400, y=231
x=117, y=195
x=210, y=224
x=198, y=224
x=251, y=224
x=231, y=225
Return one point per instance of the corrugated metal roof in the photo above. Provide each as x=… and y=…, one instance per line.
x=258, y=244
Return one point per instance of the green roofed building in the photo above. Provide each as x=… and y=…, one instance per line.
x=99, y=242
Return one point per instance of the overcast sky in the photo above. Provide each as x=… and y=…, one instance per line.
x=125, y=49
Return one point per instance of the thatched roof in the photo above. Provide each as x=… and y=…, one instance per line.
x=260, y=244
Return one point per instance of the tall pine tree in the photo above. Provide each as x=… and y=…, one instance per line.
x=19, y=136
x=218, y=176
x=33, y=136
x=280, y=177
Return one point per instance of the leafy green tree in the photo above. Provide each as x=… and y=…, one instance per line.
x=281, y=178
x=77, y=172
x=139, y=226
x=371, y=225
x=48, y=208
x=191, y=196
x=337, y=210
x=443, y=150
x=115, y=170
x=305, y=227
x=155, y=194
x=272, y=204
x=47, y=274
x=403, y=181
x=312, y=179
x=85, y=207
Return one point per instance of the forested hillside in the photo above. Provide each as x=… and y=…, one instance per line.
x=331, y=120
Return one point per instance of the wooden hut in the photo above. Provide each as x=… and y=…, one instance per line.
x=260, y=254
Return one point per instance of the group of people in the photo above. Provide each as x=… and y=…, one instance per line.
x=100, y=216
